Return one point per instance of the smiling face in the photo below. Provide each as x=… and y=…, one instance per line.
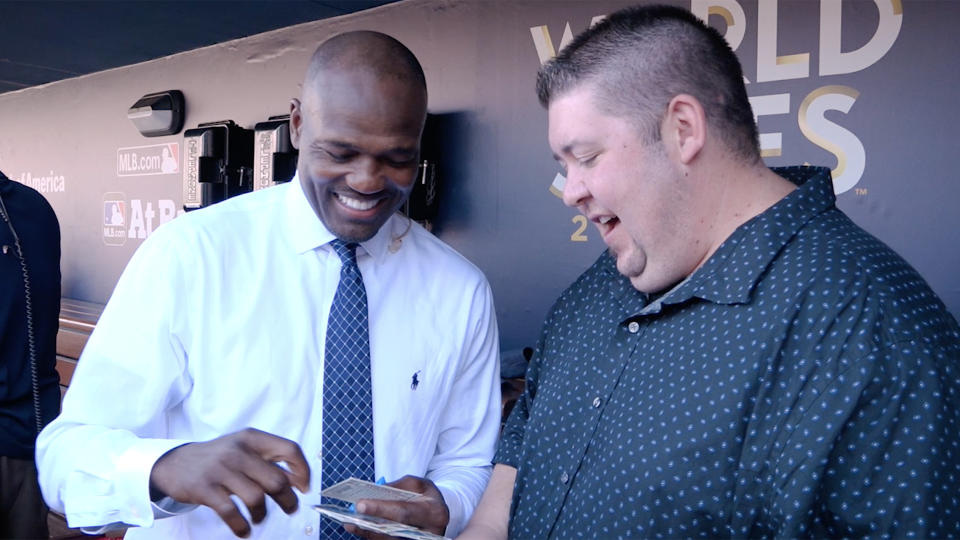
x=358, y=133
x=630, y=189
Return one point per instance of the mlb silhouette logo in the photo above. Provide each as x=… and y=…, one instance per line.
x=170, y=159
x=113, y=213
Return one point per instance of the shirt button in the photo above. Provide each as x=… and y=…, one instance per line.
x=564, y=478
x=633, y=327
x=308, y=530
x=596, y=402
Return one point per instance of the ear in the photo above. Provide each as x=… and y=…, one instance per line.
x=296, y=123
x=685, y=127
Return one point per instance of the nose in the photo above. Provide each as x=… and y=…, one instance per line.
x=575, y=192
x=366, y=176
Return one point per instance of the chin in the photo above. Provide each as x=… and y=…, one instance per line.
x=352, y=230
x=630, y=269
x=355, y=235
x=639, y=284
x=653, y=284
x=641, y=279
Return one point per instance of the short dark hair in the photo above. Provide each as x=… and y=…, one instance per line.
x=640, y=57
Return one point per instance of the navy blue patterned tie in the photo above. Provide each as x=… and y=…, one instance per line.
x=347, y=397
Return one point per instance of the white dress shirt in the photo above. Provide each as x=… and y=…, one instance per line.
x=218, y=324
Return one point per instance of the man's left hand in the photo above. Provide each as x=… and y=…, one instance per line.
x=429, y=513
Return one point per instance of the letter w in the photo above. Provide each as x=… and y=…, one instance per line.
x=543, y=43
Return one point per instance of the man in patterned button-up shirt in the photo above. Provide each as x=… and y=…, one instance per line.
x=744, y=360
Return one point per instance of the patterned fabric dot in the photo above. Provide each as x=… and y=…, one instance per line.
x=802, y=383
x=347, y=396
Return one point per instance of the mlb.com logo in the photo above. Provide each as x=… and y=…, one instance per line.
x=114, y=219
x=114, y=214
x=148, y=160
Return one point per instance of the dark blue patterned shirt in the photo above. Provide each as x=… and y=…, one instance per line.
x=803, y=382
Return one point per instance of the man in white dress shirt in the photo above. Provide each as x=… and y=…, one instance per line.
x=196, y=408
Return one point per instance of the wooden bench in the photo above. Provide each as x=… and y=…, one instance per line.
x=77, y=319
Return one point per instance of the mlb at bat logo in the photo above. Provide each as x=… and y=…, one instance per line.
x=114, y=219
x=113, y=213
x=148, y=160
x=134, y=218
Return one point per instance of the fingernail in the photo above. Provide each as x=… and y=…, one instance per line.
x=362, y=508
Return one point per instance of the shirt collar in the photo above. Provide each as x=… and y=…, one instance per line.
x=631, y=300
x=306, y=232
x=733, y=271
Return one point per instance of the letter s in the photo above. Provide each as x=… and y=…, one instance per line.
x=851, y=157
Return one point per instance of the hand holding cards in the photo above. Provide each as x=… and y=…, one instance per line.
x=374, y=523
x=354, y=489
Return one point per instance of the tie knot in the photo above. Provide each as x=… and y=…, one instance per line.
x=347, y=251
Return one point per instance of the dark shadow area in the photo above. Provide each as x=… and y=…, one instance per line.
x=446, y=142
x=39, y=40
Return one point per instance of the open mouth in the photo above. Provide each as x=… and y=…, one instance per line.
x=606, y=224
x=360, y=205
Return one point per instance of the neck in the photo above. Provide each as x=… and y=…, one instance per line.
x=739, y=193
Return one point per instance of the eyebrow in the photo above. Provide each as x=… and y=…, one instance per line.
x=568, y=148
x=336, y=144
x=353, y=148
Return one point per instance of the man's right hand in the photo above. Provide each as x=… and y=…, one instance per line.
x=242, y=464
